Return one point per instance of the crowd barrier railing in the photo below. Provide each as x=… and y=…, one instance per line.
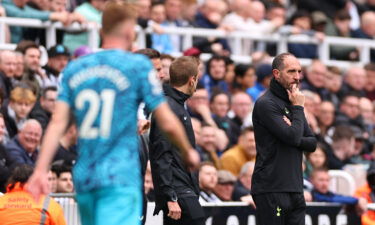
x=234, y=213
x=281, y=40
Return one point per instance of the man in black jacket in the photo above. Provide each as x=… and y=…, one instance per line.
x=176, y=189
x=281, y=135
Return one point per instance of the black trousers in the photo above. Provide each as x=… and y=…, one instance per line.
x=192, y=213
x=280, y=209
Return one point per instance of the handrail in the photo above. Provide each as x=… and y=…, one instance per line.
x=188, y=33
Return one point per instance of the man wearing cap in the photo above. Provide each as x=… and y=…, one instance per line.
x=368, y=192
x=58, y=58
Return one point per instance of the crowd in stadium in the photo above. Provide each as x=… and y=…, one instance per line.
x=339, y=103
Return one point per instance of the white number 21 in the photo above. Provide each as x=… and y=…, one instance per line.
x=107, y=97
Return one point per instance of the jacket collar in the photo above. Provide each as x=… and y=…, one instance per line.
x=279, y=90
x=177, y=95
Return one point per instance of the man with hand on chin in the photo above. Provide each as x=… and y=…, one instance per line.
x=281, y=135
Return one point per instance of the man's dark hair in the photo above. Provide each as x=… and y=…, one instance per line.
x=215, y=58
x=241, y=69
x=217, y=93
x=149, y=52
x=182, y=69
x=247, y=130
x=61, y=168
x=349, y=95
x=278, y=61
x=24, y=45
x=47, y=89
x=166, y=56
x=20, y=174
x=342, y=132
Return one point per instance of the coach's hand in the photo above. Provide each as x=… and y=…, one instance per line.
x=295, y=96
x=174, y=210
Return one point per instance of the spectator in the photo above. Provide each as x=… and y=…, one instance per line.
x=261, y=25
x=225, y=185
x=314, y=79
x=354, y=82
x=234, y=158
x=33, y=72
x=241, y=109
x=52, y=179
x=325, y=118
x=315, y=160
x=7, y=31
x=207, y=182
x=64, y=178
x=173, y=10
x=242, y=188
x=214, y=78
x=154, y=56
x=349, y=113
x=19, y=70
x=342, y=147
x=17, y=111
x=333, y=83
x=366, y=192
x=18, y=206
x=320, y=179
x=82, y=51
x=4, y=158
x=370, y=81
x=160, y=42
x=18, y=8
x=264, y=76
x=301, y=23
x=340, y=27
x=91, y=11
x=190, y=10
x=39, y=35
x=166, y=61
x=23, y=148
x=327, y=7
x=67, y=145
x=7, y=71
x=219, y=105
x=244, y=78
x=44, y=108
x=210, y=16
x=366, y=108
x=367, y=29
x=58, y=58
x=311, y=108
x=207, y=148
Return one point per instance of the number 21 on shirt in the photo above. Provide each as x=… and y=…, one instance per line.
x=107, y=98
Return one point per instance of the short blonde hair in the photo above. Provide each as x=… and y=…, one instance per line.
x=22, y=95
x=117, y=12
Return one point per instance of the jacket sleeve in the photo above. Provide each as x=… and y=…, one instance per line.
x=161, y=157
x=16, y=156
x=270, y=116
x=308, y=141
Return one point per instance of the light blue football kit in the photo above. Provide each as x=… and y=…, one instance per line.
x=104, y=90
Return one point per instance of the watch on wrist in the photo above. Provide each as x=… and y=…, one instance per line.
x=173, y=198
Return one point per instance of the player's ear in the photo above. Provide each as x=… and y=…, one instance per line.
x=276, y=73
